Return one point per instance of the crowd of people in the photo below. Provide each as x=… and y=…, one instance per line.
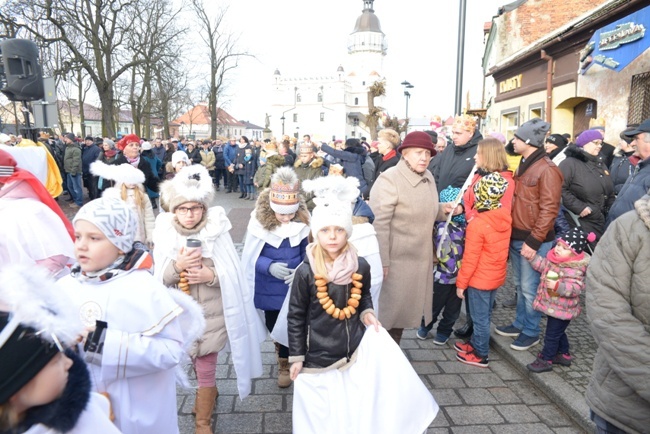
x=333, y=260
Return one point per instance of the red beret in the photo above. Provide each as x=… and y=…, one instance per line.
x=129, y=138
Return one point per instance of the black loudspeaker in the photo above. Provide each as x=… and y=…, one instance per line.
x=23, y=78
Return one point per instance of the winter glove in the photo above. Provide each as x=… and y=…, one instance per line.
x=289, y=279
x=279, y=270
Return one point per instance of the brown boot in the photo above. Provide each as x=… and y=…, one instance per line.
x=284, y=379
x=205, y=397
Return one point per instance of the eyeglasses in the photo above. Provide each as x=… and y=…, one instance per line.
x=183, y=210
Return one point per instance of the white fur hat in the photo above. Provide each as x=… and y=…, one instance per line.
x=334, y=197
x=121, y=174
x=191, y=184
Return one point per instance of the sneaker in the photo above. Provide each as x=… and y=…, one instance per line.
x=508, y=330
x=472, y=359
x=463, y=347
x=440, y=339
x=422, y=333
x=524, y=342
x=540, y=365
x=562, y=359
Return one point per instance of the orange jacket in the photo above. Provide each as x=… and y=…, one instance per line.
x=487, y=240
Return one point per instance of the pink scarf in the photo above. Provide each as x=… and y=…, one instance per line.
x=557, y=260
x=340, y=271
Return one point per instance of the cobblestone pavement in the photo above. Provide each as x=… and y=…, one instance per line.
x=503, y=398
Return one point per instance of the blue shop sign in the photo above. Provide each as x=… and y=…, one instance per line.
x=616, y=45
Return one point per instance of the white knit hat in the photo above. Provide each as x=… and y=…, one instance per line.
x=191, y=184
x=179, y=156
x=113, y=218
x=285, y=187
x=334, y=198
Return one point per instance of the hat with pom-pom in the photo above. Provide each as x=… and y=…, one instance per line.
x=285, y=187
x=576, y=239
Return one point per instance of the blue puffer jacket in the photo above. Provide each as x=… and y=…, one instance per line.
x=269, y=291
x=352, y=160
x=229, y=153
x=636, y=186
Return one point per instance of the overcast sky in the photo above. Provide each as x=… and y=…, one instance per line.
x=309, y=37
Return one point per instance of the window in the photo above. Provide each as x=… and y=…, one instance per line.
x=295, y=117
x=320, y=97
x=298, y=98
x=322, y=117
x=639, y=102
x=356, y=101
x=536, y=111
x=510, y=122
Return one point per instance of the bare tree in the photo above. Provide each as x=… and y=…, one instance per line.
x=223, y=51
x=378, y=88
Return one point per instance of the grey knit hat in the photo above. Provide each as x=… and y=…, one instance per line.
x=533, y=132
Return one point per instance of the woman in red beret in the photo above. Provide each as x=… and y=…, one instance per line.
x=129, y=146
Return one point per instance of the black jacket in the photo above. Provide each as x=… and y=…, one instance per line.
x=455, y=163
x=150, y=181
x=315, y=334
x=586, y=184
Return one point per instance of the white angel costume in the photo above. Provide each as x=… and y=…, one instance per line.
x=244, y=326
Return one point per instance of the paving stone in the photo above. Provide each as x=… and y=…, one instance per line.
x=504, y=395
x=517, y=413
x=446, y=397
x=445, y=381
x=474, y=429
x=568, y=430
x=550, y=415
x=277, y=423
x=503, y=369
x=479, y=415
x=419, y=355
x=528, y=393
x=424, y=368
x=477, y=396
x=270, y=386
x=484, y=379
x=440, y=420
x=457, y=367
x=437, y=431
x=259, y=403
x=536, y=428
x=239, y=423
x=225, y=404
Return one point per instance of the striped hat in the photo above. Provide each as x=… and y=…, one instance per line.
x=285, y=187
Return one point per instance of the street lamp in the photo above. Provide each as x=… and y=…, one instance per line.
x=407, y=95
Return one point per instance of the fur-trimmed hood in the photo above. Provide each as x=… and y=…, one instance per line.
x=266, y=216
x=642, y=207
x=315, y=163
x=572, y=151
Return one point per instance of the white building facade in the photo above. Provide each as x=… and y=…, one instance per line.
x=336, y=106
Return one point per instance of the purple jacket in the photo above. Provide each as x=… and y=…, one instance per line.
x=571, y=283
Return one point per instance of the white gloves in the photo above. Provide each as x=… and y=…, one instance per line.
x=279, y=270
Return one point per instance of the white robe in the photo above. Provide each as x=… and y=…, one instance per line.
x=379, y=393
x=364, y=239
x=244, y=326
x=94, y=419
x=144, y=343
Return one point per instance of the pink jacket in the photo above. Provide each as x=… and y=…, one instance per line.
x=571, y=283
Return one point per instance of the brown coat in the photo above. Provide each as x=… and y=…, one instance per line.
x=208, y=295
x=405, y=205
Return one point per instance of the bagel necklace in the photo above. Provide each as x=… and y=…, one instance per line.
x=328, y=304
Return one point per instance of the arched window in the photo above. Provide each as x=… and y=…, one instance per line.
x=320, y=97
x=298, y=98
x=356, y=101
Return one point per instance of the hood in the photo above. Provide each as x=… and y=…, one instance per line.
x=276, y=160
x=642, y=207
x=266, y=216
x=316, y=163
x=356, y=150
x=572, y=151
x=499, y=219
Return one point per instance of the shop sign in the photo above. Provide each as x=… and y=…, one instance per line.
x=510, y=84
x=616, y=45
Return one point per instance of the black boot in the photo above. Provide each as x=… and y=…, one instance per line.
x=242, y=195
x=465, y=331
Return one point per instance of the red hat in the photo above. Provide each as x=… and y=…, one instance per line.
x=418, y=139
x=129, y=138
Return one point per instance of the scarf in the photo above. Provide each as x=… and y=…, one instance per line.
x=340, y=271
x=412, y=169
x=552, y=257
x=133, y=161
x=110, y=153
x=137, y=259
x=532, y=158
x=390, y=155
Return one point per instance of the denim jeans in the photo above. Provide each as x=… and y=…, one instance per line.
x=74, y=186
x=527, y=318
x=480, y=307
x=555, y=340
x=604, y=427
x=250, y=188
x=242, y=186
x=444, y=297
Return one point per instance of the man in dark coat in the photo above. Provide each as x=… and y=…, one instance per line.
x=89, y=154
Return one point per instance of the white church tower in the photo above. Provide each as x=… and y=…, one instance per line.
x=336, y=105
